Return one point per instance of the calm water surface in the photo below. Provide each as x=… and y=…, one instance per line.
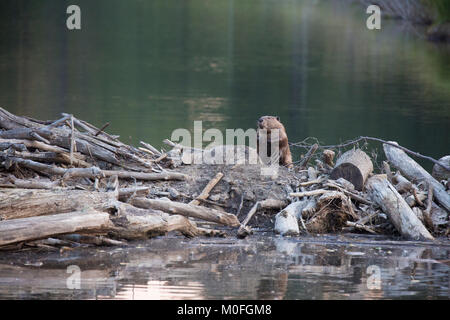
x=261, y=267
x=149, y=67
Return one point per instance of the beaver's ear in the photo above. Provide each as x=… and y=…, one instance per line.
x=278, y=118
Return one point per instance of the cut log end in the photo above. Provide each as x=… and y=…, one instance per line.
x=354, y=166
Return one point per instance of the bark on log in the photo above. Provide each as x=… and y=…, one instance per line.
x=22, y=203
x=354, y=166
x=188, y=210
x=392, y=203
x=413, y=171
x=26, y=229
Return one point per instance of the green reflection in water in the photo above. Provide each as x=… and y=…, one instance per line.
x=149, y=67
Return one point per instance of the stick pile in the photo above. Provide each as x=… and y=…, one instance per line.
x=66, y=183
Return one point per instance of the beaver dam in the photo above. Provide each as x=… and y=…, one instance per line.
x=66, y=183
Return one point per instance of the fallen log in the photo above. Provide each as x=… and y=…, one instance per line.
x=392, y=203
x=92, y=172
x=413, y=171
x=439, y=173
x=354, y=166
x=136, y=223
x=22, y=203
x=34, y=228
x=187, y=210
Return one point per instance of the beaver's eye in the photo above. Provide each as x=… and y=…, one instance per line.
x=278, y=118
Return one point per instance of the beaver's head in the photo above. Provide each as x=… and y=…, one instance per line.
x=269, y=122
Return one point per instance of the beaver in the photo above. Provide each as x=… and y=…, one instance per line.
x=273, y=122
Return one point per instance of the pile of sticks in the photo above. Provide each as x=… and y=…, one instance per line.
x=66, y=183
x=63, y=177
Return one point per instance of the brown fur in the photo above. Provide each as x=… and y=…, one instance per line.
x=269, y=123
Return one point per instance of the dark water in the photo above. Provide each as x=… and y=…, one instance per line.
x=261, y=267
x=149, y=67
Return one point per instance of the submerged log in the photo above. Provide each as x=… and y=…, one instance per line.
x=414, y=172
x=392, y=203
x=354, y=166
x=26, y=229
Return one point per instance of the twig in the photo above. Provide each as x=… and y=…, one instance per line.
x=72, y=139
x=205, y=193
x=308, y=156
x=101, y=129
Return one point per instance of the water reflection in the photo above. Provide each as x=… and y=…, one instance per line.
x=331, y=267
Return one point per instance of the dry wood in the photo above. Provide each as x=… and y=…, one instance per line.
x=151, y=148
x=244, y=230
x=94, y=172
x=26, y=229
x=34, y=183
x=360, y=226
x=309, y=154
x=427, y=211
x=187, y=210
x=439, y=173
x=137, y=223
x=387, y=171
x=308, y=193
x=354, y=166
x=414, y=172
x=392, y=203
x=205, y=193
x=401, y=183
x=22, y=203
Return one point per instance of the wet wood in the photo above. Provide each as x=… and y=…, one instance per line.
x=354, y=166
x=387, y=197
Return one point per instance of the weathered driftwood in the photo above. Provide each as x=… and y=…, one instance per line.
x=137, y=223
x=188, y=210
x=308, y=193
x=92, y=172
x=286, y=220
x=439, y=173
x=244, y=230
x=414, y=172
x=392, y=203
x=354, y=166
x=205, y=193
x=22, y=203
x=103, y=147
x=26, y=229
x=309, y=154
x=13, y=182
